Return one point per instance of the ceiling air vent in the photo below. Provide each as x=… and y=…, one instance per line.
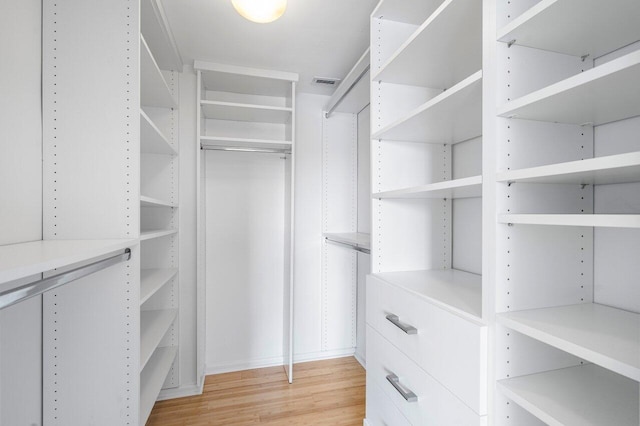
x=326, y=81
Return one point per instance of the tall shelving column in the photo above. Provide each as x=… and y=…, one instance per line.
x=159, y=283
x=247, y=110
x=427, y=227
x=90, y=194
x=567, y=345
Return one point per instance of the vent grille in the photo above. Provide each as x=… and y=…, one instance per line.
x=326, y=81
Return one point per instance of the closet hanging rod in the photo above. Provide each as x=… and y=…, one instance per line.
x=351, y=246
x=236, y=149
x=358, y=71
x=27, y=291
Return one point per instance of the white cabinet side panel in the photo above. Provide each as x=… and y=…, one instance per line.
x=467, y=235
x=339, y=211
x=91, y=332
x=21, y=363
x=21, y=129
x=364, y=171
x=308, y=225
x=90, y=119
x=245, y=249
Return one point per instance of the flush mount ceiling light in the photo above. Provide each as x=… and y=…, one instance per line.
x=260, y=11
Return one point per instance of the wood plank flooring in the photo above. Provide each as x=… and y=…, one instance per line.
x=323, y=393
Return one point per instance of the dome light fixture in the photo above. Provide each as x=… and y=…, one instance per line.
x=260, y=11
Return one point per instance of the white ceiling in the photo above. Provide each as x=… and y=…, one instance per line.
x=321, y=38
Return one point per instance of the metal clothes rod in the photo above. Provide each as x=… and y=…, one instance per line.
x=328, y=113
x=27, y=291
x=351, y=246
x=261, y=150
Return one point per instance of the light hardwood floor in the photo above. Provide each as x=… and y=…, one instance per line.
x=323, y=393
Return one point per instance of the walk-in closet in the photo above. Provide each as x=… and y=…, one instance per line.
x=306, y=212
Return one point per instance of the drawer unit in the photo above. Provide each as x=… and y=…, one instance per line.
x=380, y=410
x=417, y=395
x=451, y=349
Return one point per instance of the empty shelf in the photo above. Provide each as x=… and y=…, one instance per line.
x=149, y=235
x=354, y=239
x=152, y=378
x=153, y=326
x=413, y=12
x=576, y=396
x=152, y=280
x=225, y=142
x=453, y=290
x=25, y=259
x=154, y=202
x=458, y=188
x=599, y=220
x=152, y=141
x=245, y=112
x=453, y=116
x=604, y=26
x=619, y=168
x=605, y=336
x=453, y=34
x=154, y=91
x=600, y=95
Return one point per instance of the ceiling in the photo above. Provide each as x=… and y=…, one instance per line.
x=322, y=38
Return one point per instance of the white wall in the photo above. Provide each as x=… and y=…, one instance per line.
x=20, y=203
x=308, y=227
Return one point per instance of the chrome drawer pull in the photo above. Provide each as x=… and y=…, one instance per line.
x=395, y=320
x=406, y=394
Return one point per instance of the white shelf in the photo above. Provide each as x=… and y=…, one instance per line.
x=598, y=27
x=598, y=220
x=458, y=53
x=605, y=336
x=413, y=12
x=152, y=378
x=453, y=116
x=152, y=141
x=154, y=91
x=576, y=396
x=458, y=188
x=152, y=280
x=245, y=112
x=453, y=290
x=154, y=202
x=619, y=168
x=221, y=141
x=252, y=81
x=26, y=259
x=600, y=95
x=153, y=326
x=355, y=239
x=149, y=235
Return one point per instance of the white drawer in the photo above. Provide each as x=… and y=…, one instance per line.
x=380, y=409
x=451, y=349
x=434, y=405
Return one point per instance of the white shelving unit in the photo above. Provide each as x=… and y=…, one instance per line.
x=159, y=275
x=576, y=396
x=428, y=169
x=245, y=110
x=346, y=212
x=566, y=345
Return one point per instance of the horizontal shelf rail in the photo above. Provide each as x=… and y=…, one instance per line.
x=27, y=291
x=244, y=149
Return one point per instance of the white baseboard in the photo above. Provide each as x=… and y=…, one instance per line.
x=243, y=365
x=179, y=392
x=323, y=355
x=272, y=362
x=361, y=360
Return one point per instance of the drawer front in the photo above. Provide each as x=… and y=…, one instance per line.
x=449, y=348
x=380, y=410
x=433, y=405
